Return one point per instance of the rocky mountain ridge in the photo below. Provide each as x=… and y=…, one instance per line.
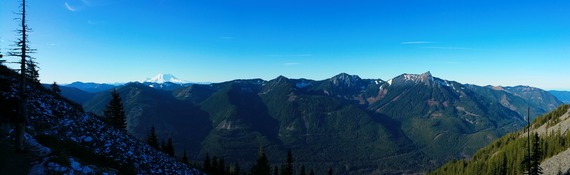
x=408, y=120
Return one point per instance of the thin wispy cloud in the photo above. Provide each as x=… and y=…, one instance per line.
x=416, y=42
x=74, y=7
x=70, y=8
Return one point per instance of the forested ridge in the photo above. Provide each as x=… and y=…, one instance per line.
x=414, y=123
x=509, y=154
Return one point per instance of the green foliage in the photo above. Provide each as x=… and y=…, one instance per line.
x=207, y=164
x=551, y=118
x=55, y=88
x=406, y=127
x=152, y=139
x=185, y=158
x=536, y=155
x=163, y=146
x=302, y=171
x=276, y=170
x=146, y=107
x=217, y=166
x=288, y=167
x=115, y=112
x=1, y=56
x=221, y=169
x=169, y=148
x=261, y=167
x=507, y=154
x=32, y=71
x=236, y=170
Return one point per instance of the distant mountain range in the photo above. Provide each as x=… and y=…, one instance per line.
x=170, y=82
x=90, y=87
x=563, y=96
x=160, y=81
x=60, y=138
x=410, y=123
x=163, y=78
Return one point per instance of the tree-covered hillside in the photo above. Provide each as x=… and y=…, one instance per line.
x=509, y=154
x=411, y=123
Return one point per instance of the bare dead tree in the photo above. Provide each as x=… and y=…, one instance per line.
x=22, y=51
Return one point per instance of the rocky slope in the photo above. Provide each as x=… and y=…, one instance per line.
x=72, y=139
x=559, y=163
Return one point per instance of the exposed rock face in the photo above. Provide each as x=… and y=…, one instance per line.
x=558, y=164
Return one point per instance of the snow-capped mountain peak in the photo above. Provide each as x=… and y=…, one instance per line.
x=162, y=78
x=406, y=78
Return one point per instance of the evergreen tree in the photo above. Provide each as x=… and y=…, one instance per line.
x=115, y=112
x=288, y=169
x=561, y=141
x=152, y=139
x=185, y=158
x=536, y=156
x=55, y=88
x=302, y=171
x=215, y=165
x=276, y=170
x=503, y=168
x=207, y=163
x=330, y=172
x=169, y=149
x=237, y=170
x=1, y=56
x=222, y=166
x=163, y=146
x=32, y=72
x=312, y=172
x=261, y=166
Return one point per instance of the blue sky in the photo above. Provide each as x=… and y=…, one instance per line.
x=470, y=41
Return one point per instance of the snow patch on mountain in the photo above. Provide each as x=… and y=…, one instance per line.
x=377, y=81
x=443, y=82
x=162, y=78
x=302, y=84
